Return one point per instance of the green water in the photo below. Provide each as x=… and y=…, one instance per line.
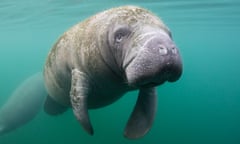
x=203, y=107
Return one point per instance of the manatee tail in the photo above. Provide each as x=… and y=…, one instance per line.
x=2, y=130
x=23, y=105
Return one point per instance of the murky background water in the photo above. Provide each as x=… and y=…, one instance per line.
x=202, y=107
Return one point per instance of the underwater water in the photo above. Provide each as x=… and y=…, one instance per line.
x=202, y=107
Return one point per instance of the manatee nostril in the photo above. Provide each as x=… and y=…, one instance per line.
x=162, y=50
x=174, y=50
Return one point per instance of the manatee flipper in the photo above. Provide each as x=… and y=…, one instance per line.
x=78, y=95
x=51, y=107
x=143, y=114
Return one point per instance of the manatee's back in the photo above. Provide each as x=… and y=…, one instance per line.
x=76, y=48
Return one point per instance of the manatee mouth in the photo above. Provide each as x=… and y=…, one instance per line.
x=151, y=84
x=172, y=72
x=169, y=73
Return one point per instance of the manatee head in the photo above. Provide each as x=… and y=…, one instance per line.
x=143, y=49
x=152, y=59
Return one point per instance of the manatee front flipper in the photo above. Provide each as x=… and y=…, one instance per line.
x=143, y=114
x=79, y=95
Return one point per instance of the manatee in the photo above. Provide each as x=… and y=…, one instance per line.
x=24, y=104
x=98, y=60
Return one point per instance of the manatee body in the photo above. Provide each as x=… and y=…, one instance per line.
x=97, y=61
x=23, y=105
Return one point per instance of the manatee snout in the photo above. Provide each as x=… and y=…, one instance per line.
x=157, y=61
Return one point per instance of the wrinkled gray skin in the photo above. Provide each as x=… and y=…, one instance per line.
x=98, y=60
x=23, y=105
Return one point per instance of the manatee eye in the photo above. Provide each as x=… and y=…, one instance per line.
x=120, y=34
x=119, y=37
